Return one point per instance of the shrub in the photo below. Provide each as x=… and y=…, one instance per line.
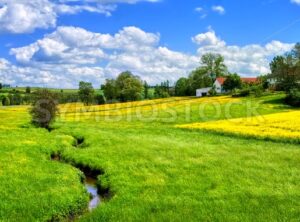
x=257, y=90
x=15, y=98
x=26, y=99
x=28, y=90
x=213, y=91
x=65, y=97
x=86, y=92
x=162, y=95
x=241, y=93
x=44, y=108
x=5, y=101
x=100, y=99
x=293, y=98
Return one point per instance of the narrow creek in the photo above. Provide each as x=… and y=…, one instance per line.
x=90, y=182
x=91, y=187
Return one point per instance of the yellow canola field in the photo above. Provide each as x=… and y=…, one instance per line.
x=279, y=126
x=74, y=111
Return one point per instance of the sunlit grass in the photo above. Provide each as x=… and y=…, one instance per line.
x=157, y=172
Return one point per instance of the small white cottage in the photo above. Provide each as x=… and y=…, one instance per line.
x=218, y=84
x=203, y=92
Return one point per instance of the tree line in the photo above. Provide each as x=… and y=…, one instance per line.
x=285, y=71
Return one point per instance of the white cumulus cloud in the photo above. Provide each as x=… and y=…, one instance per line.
x=74, y=54
x=24, y=16
x=296, y=2
x=249, y=60
x=219, y=9
x=71, y=54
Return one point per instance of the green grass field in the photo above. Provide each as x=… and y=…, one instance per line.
x=155, y=171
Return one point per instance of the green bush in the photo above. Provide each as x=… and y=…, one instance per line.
x=241, y=93
x=15, y=98
x=28, y=90
x=293, y=98
x=100, y=99
x=44, y=108
x=257, y=90
x=212, y=92
x=5, y=101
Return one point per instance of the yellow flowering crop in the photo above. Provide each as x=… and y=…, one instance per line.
x=279, y=126
x=76, y=111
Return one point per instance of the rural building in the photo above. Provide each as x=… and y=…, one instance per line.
x=218, y=85
x=203, y=92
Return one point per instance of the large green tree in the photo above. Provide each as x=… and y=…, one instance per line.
x=86, y=92
x=286, y=71
x=296, y=51
x=129, y=87
x=214, y=65
x=146, y=90
x=182, y=87
x=110, y=89
x=199, y=79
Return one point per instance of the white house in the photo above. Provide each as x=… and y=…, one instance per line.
x=203, y=92
x=218, y=84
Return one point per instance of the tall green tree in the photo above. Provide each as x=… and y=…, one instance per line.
x=286, y=71
x=86, y=92
x=28, y=90
x=129, y=87
x=296, y=51
x=199, y=79
x=1, y=86
x=5, y=101
x=146, y=90
x=214, y=65
x=182, y=87
x=110, y=89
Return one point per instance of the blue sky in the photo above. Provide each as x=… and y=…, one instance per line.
x=44, y=42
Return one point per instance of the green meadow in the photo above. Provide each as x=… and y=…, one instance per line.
x=153, y=170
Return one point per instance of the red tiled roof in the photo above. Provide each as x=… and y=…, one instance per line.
x=249, y=80
x=221, y=80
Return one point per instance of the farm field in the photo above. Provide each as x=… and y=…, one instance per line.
x=279, y=126
x=155, y=170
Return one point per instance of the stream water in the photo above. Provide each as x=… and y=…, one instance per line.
x=91, y=187
x=90, y=183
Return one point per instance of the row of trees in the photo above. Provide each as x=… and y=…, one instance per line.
x=127, y=87
x=16, y=97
